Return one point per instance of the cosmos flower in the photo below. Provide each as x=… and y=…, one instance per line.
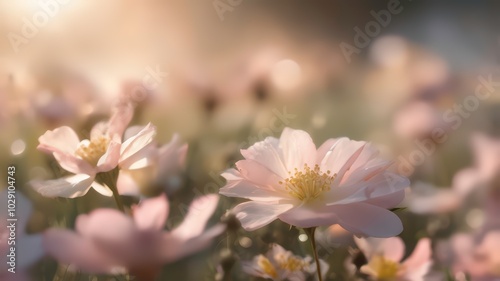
x=481, y=177
x=467, y=254
x=159, y=170
x=279, y=264
x=342, y=182
x=107, y=241
x=103, y=152
x=384, y=259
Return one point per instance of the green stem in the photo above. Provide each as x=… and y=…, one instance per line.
x=110, y=178
x=310, y=232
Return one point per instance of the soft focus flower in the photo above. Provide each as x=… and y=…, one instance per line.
x=384, y=259
x=87, y=158
x=164, y=164
x=107, y=241
x=480, y=259
x=426, y=199
x=342, y=182
x=279, y=264
x=28, y=247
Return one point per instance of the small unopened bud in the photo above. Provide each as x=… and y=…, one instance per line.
x=227, y=260
x=233, y=224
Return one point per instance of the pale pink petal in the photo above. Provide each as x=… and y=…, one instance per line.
x=341, y=156
x=324, y=148
x=427, y=199
x=151, y=213
x=138, y=142
x=172, y=155
x=251, y=191
x=258, y=174
x=73, y=164
x=392, y=248
x=70, y=248
x=200, y=211
x=127, y=185
x=107, y=226
x=147, y=156
x=174, y=248
x=64, y=139
x=420, y=257
x=102, y=189
x=464, y=181
x=121, y=117
x=298, y=149
x=132, y=131
x=69, y=187
x=98, y=130
x=309, y=216
x=268, y=154
x=369, y=220
x=29, y=250
x=254, y=215
x=109, y=160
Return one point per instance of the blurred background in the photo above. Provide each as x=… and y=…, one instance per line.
x=417, y=78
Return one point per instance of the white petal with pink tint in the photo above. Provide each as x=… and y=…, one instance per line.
x=298, y=149
x=200, y=210
x=64, y=139
x=151, y=213
x=70, y=187
x=254, y=215
x=137, y=142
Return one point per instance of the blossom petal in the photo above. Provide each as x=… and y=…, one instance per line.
x=252, y=171
x=268, y=154
x=69, y=187
x=392, y=248
x=121, y=117
x=151, y=213
x=200, y=210
x=175, y=248
x=324, y=148
x=298, y=149
x=254, y=215
x=127, y=185
x=64, y=139
x=244, y=189
x=421, y=254
x=369, y=220
x=102, y=189
x=70, y=248
x=341, y=156
x=109, y=160
x=138, y=142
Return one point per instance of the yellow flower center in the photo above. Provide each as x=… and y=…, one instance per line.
x=93, y=150
x=266, y=266
x=309, y=183
x=384, y=269
x=291, y=263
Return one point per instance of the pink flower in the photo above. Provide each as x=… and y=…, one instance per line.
x=384, y=259
x=87, y=158
x=107, y=241
x=342, y=182
x=426, y=199
x=279, y=264
x=28, y=247
x=163, y=167
x=478, y=258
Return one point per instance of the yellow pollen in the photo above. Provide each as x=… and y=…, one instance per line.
x=291, y=263
x=92, y=151
x=309, y=183
x=266, y=266
x=384, y=269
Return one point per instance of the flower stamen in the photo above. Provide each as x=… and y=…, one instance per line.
x=91, y=151
x=309, y=183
